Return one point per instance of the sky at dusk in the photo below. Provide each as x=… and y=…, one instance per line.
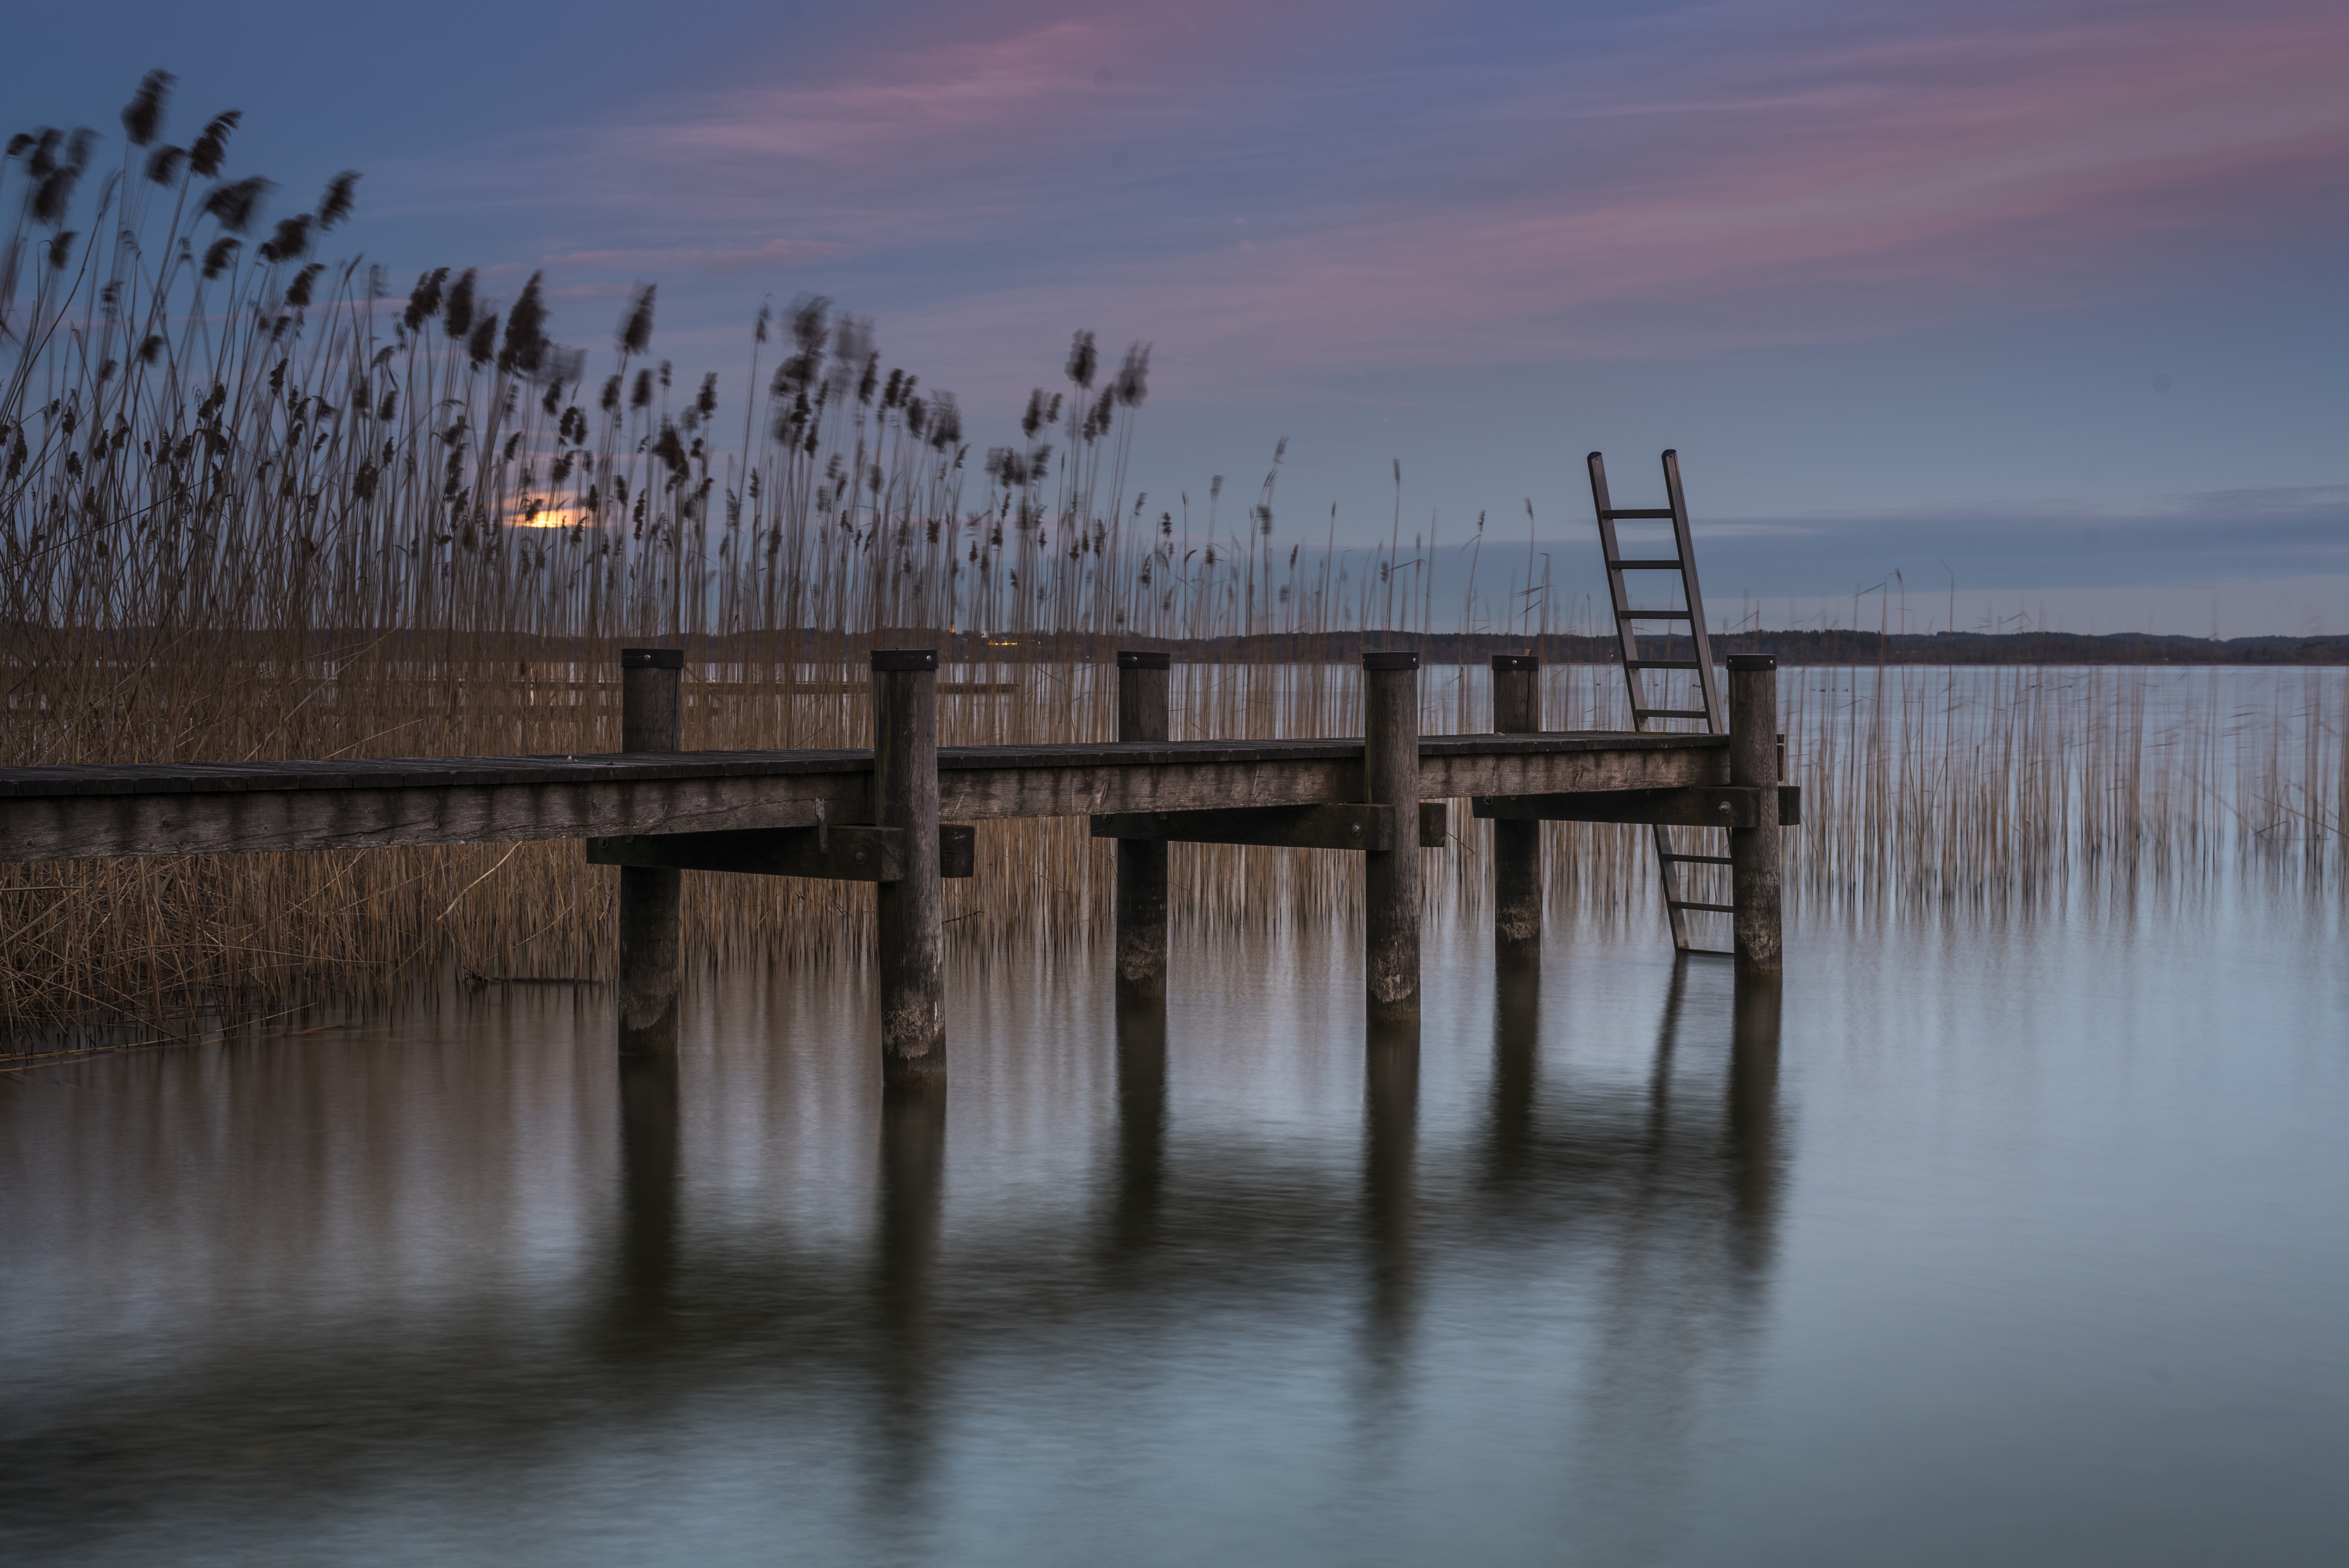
x=2042, y=308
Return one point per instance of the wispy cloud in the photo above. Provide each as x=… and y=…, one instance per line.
x=1726, y=176
x=1890, y=182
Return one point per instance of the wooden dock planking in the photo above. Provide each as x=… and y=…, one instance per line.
x=180, y=808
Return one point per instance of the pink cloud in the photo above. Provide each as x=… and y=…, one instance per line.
x=1741, y=176
x=1892, y=184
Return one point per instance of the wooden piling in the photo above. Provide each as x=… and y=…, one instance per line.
x=1142, y=682
x=1516, y=846
x=1755, y=867
x=651, y=720
x=1391, y=877
x=905, y=796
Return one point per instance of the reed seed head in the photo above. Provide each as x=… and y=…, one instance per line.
x=1133, y=383
x=142, y=117
x=298, y=293
x=482, y=343
x=292, y=240
x=635, y=333
x=424, y=300
x=336, y=205
x=456, y=310
x=211, y=150
x=235, y=205
x=525, y=349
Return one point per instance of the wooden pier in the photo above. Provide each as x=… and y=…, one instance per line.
x=899, y=816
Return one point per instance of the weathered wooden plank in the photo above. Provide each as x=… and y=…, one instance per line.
x=67, y=813
x=66, y=828
x=301, y=776
x=419, y=772
x=1086, y=791
x=1555, y=772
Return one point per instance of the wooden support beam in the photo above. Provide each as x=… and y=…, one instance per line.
x=1516, y=842
x=1756, y=852
x=651, y=720
x=1142, y=678
x=1349, y=827
x=1705, y=806
x=908, y=929
x=1391, y=777
x=849, y=853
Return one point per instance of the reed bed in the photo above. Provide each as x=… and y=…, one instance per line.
x=255, y=505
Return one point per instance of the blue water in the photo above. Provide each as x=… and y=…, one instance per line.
x=2018, y=1242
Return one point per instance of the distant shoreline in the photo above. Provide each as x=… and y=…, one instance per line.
x=828, y=647
x=1838, y=648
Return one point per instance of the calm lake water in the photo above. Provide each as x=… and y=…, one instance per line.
x=2015, y=1241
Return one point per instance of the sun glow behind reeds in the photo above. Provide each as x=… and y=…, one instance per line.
x=254, y=506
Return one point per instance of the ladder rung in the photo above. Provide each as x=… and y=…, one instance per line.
x=1647, y=511
x=1709, y=908
x=1701, y=859
x=1671, y=713
x=1660, y=664
x=1651, y=614
x=1643, y=566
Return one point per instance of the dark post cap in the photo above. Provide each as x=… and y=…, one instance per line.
x=1142, y=659
x=1753, y=661
x=1391, y=659
x=652, y=658
x=1515, y=662
x=904, y=658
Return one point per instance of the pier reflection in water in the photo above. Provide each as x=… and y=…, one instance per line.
x=1229, y=1276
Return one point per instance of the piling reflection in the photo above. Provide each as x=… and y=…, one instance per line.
x=1516, y=1058
x=904, y=1348
x=838, y=1290
x=1691, y=1247
x=1389, y=1167
x=1141, y=1124
x=644, y=1261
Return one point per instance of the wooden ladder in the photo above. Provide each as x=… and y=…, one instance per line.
x=1670, y=857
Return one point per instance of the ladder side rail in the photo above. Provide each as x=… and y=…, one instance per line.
x=1700, y=637
x=1627, y=640
x=1716, y=722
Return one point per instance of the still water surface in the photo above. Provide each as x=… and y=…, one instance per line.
x=2016, y=1243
